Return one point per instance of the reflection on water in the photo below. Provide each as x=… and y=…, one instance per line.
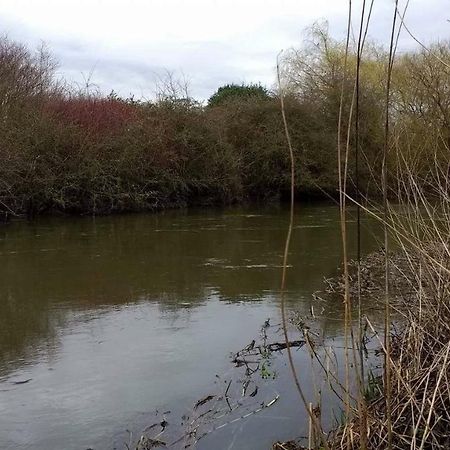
x=114, y=317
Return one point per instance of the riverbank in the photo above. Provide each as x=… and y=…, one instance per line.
x=77, y=151
x=158, y=156
x=410, y=409
x=80, y=152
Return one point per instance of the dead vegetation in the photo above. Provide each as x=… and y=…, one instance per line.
x=238, y=395
x=406, y=406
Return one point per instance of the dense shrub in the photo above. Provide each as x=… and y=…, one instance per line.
x=237, y=92
x=89, y=154
x=96, y=116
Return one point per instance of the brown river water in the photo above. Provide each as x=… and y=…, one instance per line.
x=109, y=325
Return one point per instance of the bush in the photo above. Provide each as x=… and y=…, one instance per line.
x=237, y=92
x=78, y=153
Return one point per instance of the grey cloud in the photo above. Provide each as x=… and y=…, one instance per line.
x=133, y=68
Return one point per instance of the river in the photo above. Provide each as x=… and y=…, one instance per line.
x=111, y=324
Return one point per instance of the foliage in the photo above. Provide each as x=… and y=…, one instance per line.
x=81, y=152
x=237, y=92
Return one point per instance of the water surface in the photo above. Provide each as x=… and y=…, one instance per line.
x=114, y=320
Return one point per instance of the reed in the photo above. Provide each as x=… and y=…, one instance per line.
x=407, y=405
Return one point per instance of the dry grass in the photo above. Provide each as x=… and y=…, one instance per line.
x=419, y=356
x=408, y=406
x=419, y=390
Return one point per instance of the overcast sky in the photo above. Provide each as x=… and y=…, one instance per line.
x=127, y=43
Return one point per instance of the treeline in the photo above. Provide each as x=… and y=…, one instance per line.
x=72, y=151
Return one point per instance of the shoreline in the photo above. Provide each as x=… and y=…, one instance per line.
x=419, y=359
x=256, y=203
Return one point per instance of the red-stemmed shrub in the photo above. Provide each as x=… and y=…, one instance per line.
x=94, y=115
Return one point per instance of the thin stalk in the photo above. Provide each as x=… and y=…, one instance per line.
x=312, y=416
x=361, y=405
x=342, y=204
x=387, y=371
